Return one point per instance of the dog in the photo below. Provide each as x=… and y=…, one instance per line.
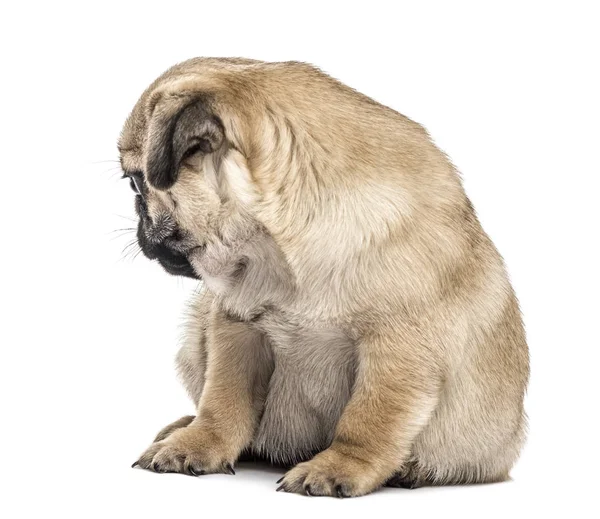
x=355, y=321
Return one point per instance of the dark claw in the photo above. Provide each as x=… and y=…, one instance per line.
x=229, y=469
x=408, y=483
x=340, y=492
x=277, y=482
x=135, y=464
x=308, y=490
x=194, y=473
x=156, y=467
x=280, y=488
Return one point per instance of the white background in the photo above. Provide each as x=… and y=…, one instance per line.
x=88, y=339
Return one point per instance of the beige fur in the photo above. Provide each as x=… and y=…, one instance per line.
x=355, y=315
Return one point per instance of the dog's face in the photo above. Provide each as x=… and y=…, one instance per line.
x=168, y=148
x=158, y=234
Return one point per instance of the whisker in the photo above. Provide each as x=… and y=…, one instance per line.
x=128, y=249
x=119, y=236
x=136, y=254
x=113, y=172
x=126, y=217
x=128, y=246
x=104, y=161
x=130, y=254
x=123, y=229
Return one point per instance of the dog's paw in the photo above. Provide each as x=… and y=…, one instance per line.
x=190, y=450
x=331, y=473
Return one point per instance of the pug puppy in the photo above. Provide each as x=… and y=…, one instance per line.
x=356, y=321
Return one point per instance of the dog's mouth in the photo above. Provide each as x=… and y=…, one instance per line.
x=163, y=241
x=174, y=262
x=171, y=259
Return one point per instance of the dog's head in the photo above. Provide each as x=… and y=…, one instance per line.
x=176, y=153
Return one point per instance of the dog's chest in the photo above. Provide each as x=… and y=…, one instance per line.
x=313, y=362
x=313, y=374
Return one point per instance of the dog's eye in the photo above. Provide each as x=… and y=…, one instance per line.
x=134, y=186
x=135, y=181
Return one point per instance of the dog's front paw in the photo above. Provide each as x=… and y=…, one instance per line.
x=191, y=450
x=331, y=473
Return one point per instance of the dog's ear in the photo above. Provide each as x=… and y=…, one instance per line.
x=179, y=127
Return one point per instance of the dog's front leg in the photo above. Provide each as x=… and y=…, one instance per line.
x=395, y=393
x=238, y=368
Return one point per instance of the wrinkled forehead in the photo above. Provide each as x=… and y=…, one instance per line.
x=131, y=142
x=131, y=160
x=133, y=135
